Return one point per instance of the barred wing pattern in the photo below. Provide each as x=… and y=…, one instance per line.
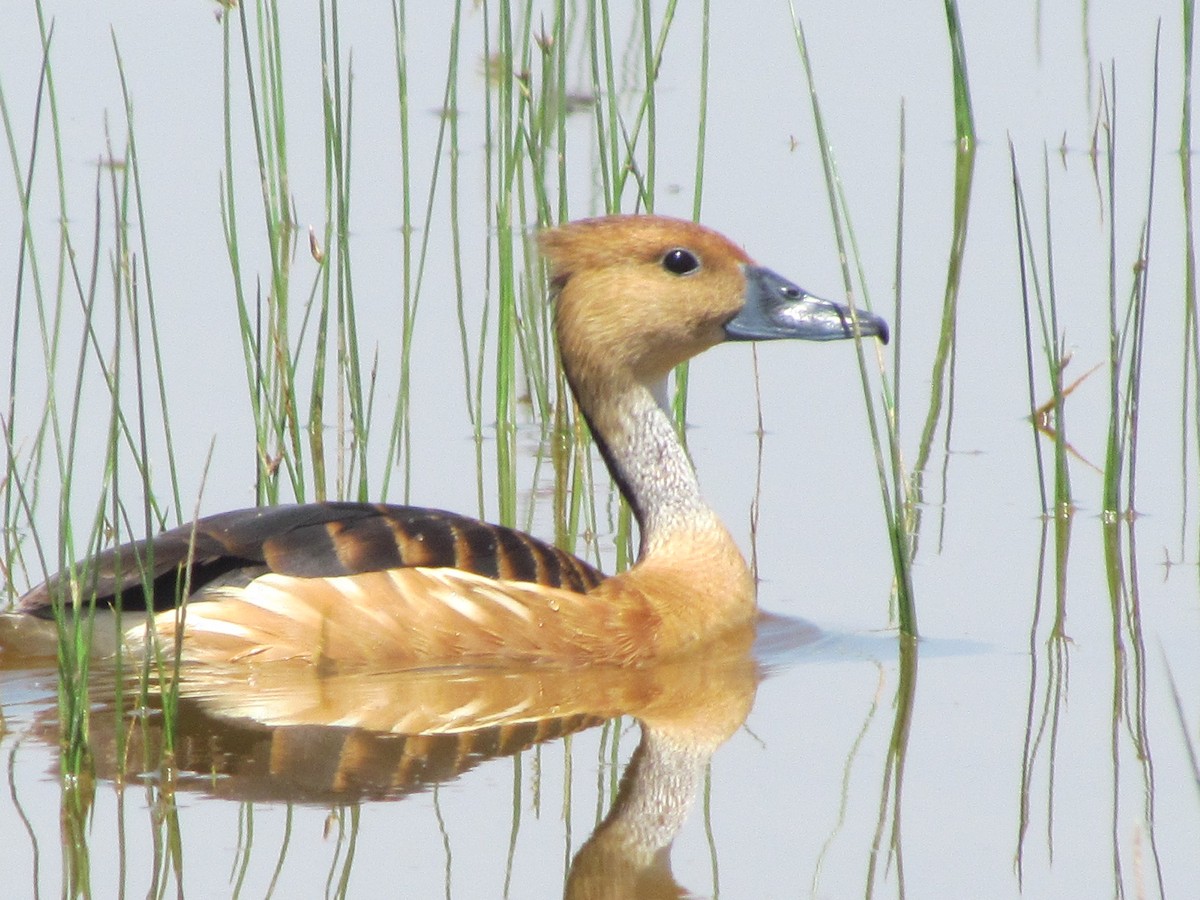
x=313, y=540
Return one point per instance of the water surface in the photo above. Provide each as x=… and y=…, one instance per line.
x=1005, y=756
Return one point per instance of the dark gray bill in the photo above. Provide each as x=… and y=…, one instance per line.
x=776, y=309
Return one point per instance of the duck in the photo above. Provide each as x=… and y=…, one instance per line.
x=344, y=585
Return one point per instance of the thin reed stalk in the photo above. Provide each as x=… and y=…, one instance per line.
x=679, y=400
x=1113, y=456
x=270, y=366
x=964, y=117
x=1190, y=381
x=1052, y=343
x=1127, y=326
x=399, y=441
x=1133, y=385
x=898, y=535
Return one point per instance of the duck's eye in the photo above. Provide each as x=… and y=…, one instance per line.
x=680, y=261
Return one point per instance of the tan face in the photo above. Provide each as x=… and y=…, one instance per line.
x=641, y=293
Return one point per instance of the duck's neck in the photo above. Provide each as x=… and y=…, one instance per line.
x=639, y=443
x=657, y=792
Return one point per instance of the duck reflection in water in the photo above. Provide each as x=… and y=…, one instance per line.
x=292, y=734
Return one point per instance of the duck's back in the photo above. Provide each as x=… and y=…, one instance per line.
x=315, y=540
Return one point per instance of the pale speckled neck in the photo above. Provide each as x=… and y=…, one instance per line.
x=657, y=792
x=654, y=468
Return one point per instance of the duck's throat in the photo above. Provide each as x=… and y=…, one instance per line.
x=653, y=470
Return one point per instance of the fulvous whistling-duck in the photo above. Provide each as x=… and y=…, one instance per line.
x=347, y=584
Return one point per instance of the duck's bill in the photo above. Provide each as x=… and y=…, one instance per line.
x=777, y=309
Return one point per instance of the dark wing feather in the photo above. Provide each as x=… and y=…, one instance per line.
x=314, y=540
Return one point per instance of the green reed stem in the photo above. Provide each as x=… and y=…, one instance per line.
x=604, y=85
x=1189, y=405
x=1126, y=334
x=679, y=401
x=1113, y=459
x=229, y=220
x=651, y=59
x=1133, y=390
x=399, y=441
x=134, y=170
x=1053, y=348
x=898, y=535
x=1190, y=747
x=74, y=615
x=328, y=291
x=14, y=494
x=240, y=864
x=1055, y=360
x=567, y=437
x=506, y=161
x=895, y=458
x=270, y=361
x=359, y=395
x=964, y=118
x=1027, y=265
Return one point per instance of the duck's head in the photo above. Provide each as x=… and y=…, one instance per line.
x=641, y=294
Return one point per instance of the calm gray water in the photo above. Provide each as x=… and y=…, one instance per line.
x=1068, y=758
